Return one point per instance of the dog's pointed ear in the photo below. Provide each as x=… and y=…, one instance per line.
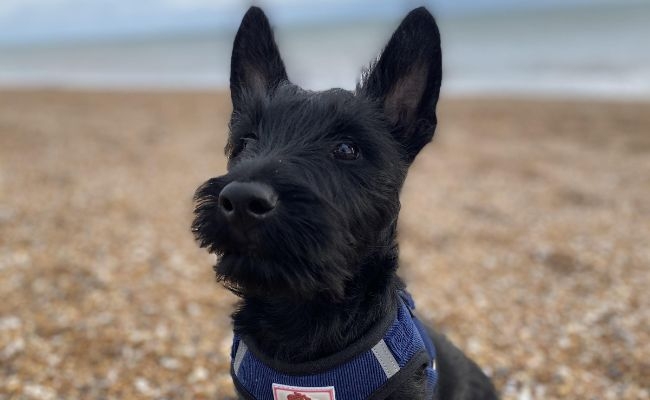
x=256, y=66
x=406, y=80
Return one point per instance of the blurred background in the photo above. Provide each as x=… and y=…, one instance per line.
x=524, y=229
x=575, y=47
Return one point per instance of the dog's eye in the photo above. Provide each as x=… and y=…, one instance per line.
x=247, y=140
x=243, y=143
x=346, y=151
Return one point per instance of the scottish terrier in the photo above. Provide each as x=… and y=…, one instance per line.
x=304, y=226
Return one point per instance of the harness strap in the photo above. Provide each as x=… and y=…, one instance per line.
x=373, y=371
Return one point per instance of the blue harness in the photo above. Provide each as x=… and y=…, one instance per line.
x=372, y=368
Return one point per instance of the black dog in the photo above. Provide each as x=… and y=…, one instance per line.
x=304, y=223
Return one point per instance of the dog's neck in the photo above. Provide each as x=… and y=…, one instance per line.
x=292, y=330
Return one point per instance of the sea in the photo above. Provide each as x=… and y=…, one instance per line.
x=584, y=52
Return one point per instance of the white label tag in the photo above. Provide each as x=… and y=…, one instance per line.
x=283, y=392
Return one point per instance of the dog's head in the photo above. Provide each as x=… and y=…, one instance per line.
x=312, y=189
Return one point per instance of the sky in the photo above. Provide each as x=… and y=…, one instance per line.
x=42, y=21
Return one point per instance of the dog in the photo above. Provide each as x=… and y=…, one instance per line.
x=304, y=226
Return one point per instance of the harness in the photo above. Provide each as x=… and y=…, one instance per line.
x=371, y=368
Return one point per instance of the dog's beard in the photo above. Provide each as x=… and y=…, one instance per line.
x=303, y=251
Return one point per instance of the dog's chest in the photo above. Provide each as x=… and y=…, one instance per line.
x=379, y=364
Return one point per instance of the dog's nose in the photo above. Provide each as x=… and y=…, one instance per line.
x=247, y=201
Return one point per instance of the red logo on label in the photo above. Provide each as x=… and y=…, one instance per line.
x=298, y=396
x=284, y=392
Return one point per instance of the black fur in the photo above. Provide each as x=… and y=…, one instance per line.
x=320, y=270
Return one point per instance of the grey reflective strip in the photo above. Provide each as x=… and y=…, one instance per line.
x=385, y=358
x=433, y=365
x=239, y=356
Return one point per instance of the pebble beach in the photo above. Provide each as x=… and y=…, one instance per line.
x=524, y=236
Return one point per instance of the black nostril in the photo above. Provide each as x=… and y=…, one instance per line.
x=245, y=202
x=261, y=206
x=225, y=204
